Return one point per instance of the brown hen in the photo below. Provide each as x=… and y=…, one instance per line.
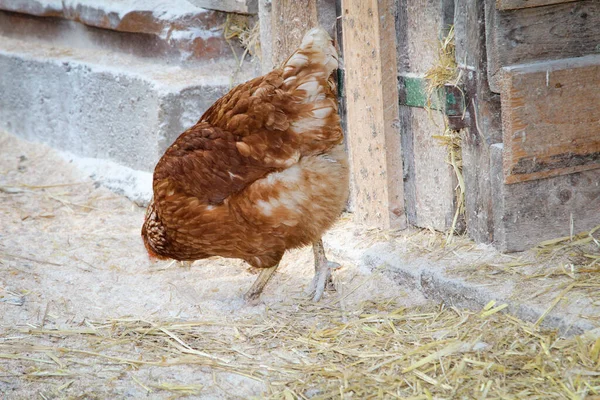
x=263, y=171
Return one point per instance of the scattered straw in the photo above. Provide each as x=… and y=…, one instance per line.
x=559, y=273
x=307, y=350
x=180, y=389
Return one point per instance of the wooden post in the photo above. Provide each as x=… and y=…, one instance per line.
x=290, y=20
x=266, y=42
x=369, y=42
x=485, y=128
x=429, y=180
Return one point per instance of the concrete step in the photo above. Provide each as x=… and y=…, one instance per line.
x=110, y=111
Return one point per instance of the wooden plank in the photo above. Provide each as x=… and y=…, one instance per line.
x=369, y=40
x=428, y=179
x=533, y=211
x=551, y=118
x=517, y=4
x=286, y=21
x=290, y=20
x=540, y=33
x=433, y=176
x=266, y=36
x=483, y=110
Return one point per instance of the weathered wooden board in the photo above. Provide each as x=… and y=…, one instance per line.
x=434, y=178
x=540, y=33
x=483, y=110
x=528, y=213
x=290, y=20
x=428, y=179
x=516, y=4
x=369, y=41
x=265, y=8
x=551, y=118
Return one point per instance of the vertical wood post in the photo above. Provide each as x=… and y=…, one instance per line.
x=290, y=20
x=369, y=41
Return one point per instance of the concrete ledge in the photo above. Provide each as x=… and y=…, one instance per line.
x=435, y=282
x=133, y=184
x=447, y=279
x=101, y=105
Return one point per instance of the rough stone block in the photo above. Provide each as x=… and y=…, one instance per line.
x=100, y=105
x=177, y=27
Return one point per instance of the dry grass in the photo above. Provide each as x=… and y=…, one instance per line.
x=240, y=27
x=445, y=71
x=305, y=350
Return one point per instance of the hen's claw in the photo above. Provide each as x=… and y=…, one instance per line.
x=323, y=268
x=252, y=295
x=321, y=279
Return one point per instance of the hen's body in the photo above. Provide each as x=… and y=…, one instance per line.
x=261, y=172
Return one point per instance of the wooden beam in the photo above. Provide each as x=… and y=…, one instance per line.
x=290, y=20
x=265, y=8
x=551, y=118
x=369, y=41
x=429, y=181
x=516, y=4
x=539, y=33
x=527, y=213
x=483, y=109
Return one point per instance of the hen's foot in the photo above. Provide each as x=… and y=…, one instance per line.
x=322, y=280
x=323, y=268
x=252, y=295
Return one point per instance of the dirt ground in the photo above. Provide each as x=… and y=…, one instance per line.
x=71, y=253
x=86, y=315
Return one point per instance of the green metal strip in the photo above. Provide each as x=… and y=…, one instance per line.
x=415, y=90
x=449, y=99
x=413, y=93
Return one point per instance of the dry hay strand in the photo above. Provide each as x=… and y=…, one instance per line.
x=565, y=269
x=238, y=26
x=452, y=140
x=574, y=260
x=445, y=71
x=306, y=350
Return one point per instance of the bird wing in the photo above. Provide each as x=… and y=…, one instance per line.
x=205, y=163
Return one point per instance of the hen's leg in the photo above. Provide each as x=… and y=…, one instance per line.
x=259, y=284
x=323, y=269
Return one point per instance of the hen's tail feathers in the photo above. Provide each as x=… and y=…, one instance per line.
x=314, y=61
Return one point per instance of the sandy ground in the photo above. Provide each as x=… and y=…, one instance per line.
x=71, y=257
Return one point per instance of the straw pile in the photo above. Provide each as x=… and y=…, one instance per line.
x=304, y=350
